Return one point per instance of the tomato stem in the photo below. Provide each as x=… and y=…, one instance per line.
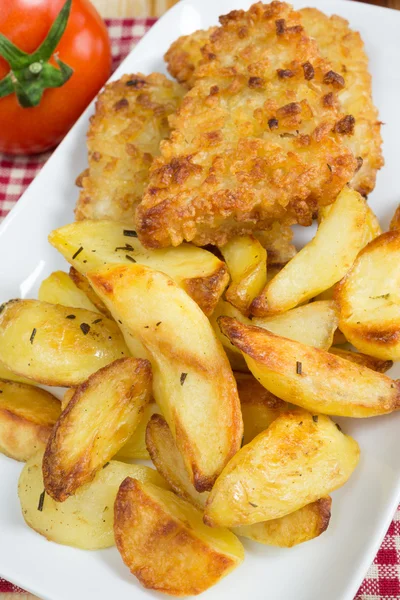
x=31, y=74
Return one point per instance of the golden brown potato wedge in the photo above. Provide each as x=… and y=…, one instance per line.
x=59, y=288
x=97, y=422
x=27, y=416
x=193, y=382
x=298, y=527
x=395, y=222
x=322, y=262
x=302, y=525
x=297, y=460
x=165, y=544
x=369, y=301
x=169, y=463
x=246, y=260
x=376, y=364
x=135, y=447
x=88, y=245
x=54, y=344
x=234, y=355
x=86, y=519
x=259, y=406
x=312, y=378
x=313, y=324
x=82, y=283
x=372, y=227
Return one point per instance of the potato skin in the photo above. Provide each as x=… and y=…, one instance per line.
x=322, y=385
x=367, y=298
x=376, y=364
x=167, y=549
x=86, y=519
x=97, y=422
x=63, y=351
x=189, y=365
x=299, y=459
x=295, y=528
x=27, y=416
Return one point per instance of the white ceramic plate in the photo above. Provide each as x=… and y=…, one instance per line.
x=330, y=567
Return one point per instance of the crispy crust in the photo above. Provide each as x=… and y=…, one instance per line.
x=86, y=436
x=224, y=171
x=130, y=120
x=344, y=48
x=185, y=55
x=376, y=364
x=163, y=551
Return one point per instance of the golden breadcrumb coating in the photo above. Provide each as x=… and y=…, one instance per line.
x=184, y=55
x=130, y=120
x=259, y=137
x=344, y=49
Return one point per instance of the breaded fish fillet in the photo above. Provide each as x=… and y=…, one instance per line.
x=344, y=49
x=130, y=120
x=260, y=137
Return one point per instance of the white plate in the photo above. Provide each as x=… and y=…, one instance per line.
x=330, y=567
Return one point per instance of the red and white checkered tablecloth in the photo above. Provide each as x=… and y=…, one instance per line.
x=382, y=581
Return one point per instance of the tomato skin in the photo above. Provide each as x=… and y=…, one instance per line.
x=85, y=47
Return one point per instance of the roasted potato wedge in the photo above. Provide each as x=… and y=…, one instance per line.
x=259, y=406
x=27, y=416
x=88, y=245
x=193, y=382
x=165, y=544
x=372, y=227
x=376, y=364
x=312, y=378
x=395, y=222
x=86, y=519
x=59, y=288
x=246, y=260
x=297, y=460
x=225, y=309
x=369, y=301
x=298, y=527
x=169, y=463
x=302, y=525
x=322, y=262
x=135, y=447
x=82, y=283
x=313, y=324
x=98, y=420
x=54, y=344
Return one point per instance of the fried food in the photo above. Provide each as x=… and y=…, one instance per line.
x=368, y=298
x=59, y=288
x=295, y=528
x=257, y=139
x=192, y=380
x=376, y=364
x=27, y=416
x=297, y=460
x=322, y=262
x=344, y=49
x=311, y=378
x=130, y=120
x=54, y=344
x=165, y=544
x=97, y=422
x=86, y=519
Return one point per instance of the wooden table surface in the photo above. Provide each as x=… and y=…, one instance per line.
x=155, y=8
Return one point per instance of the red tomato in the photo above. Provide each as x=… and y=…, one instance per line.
x=84, y=46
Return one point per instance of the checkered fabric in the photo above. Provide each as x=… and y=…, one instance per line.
x=383, y=578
